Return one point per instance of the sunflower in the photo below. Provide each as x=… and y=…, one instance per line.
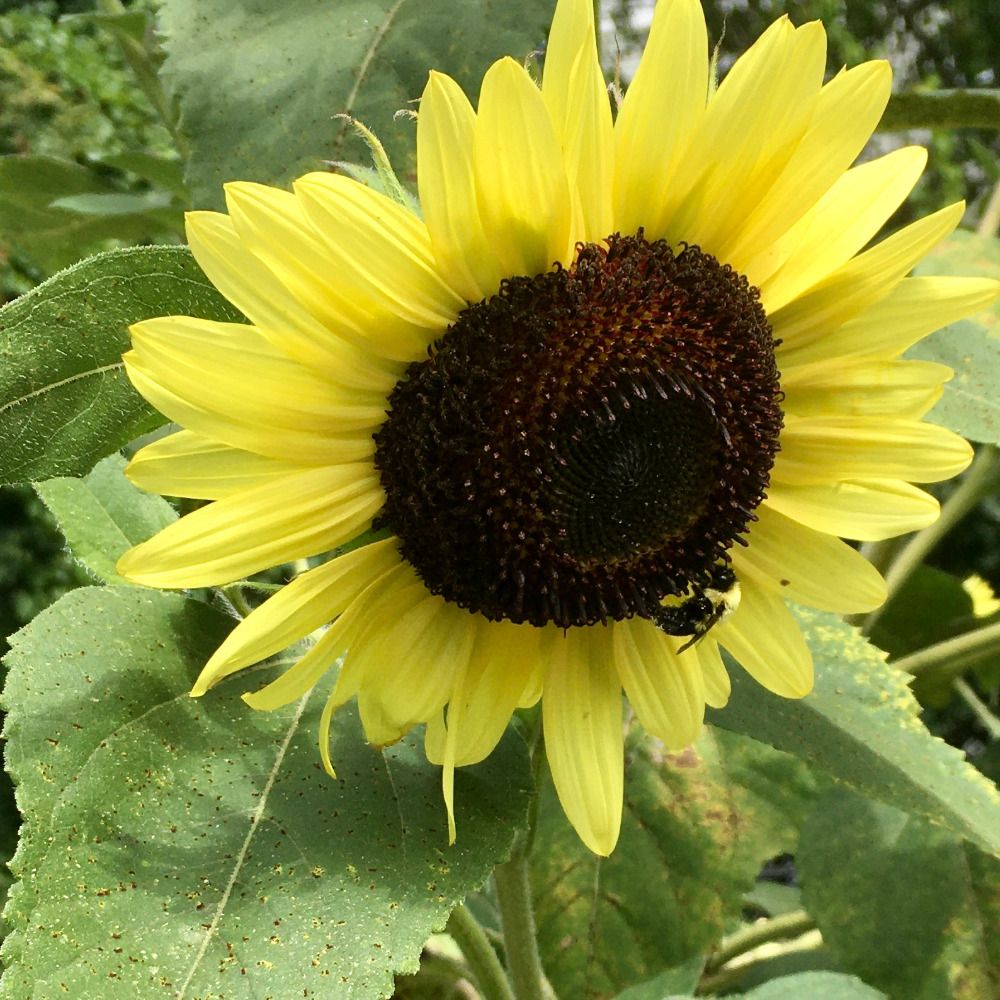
x=618, y=393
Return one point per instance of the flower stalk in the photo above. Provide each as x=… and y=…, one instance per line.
x=491, y=980
x=517, y=916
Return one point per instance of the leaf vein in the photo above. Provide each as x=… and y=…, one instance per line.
x=245, y=847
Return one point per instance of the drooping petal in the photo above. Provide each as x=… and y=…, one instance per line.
x=298, y=515
x=825, y=449
x=867, y=511
x=847, y=111
x=864, y=388
x=666, y=690
x=521, y=184
x=412, y=667
x=445, y=130
x=659, y=118
x=768, y=643
x=846, y=218
x=582, y=716
x=913, y=309
x=575, y=93
x=715, y=677
x=281, y=317
x=499, y=671
x=807, y=566
x=185, y=464
x=345, y=634
x=312, y=599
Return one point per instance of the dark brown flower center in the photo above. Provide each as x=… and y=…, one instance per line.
x=588, y=441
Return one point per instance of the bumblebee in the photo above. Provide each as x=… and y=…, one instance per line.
x=699, y=614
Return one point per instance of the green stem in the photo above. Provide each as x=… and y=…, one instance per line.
x=517, y=917
x=968, y=646
x=989, y=223
x=747, y=938
x=234, y=594
x=979, y=708
x=727, y=980
x=979, y=481
x=491, y=981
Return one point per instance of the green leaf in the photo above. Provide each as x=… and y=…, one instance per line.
x=930, y=606
x=908, y=907
x=677, y=982
x=696, y=829
x=267, y=112
x=115, y=204
x=159, y=170
x=64, y=399
x=943, y=109
x=103, y=515
x=176, y=846
x=55, y=237
x=815, y=986
x=774, y=898
x=861, y=724
x=971, y=401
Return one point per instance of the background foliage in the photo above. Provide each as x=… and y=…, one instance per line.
x=108, y=130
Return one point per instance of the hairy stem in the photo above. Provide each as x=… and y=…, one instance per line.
x=491, y=981
x=517, y=916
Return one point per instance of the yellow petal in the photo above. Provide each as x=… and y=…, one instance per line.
x=275, y=228
x=806, y=566
x=868, y=511
x=666, y=690
x=252, y=287
x=445, y=131
x=847, y=111
x=188, y=465
x=913, y=309
x=344, y=635
x=824, y=449
x=502, y=662
x=230, y=366
x=862, y=281
x=413, y=666
x=715, y=677
x=219, y=380
x=864, y=388
x=754, y=123
x=575, y=93
x=843, y=221
x=582, y=716
x=312, y=599
x=659, y=117
x=382, y=252
x=766, y=640
x=521, y=185
x=298, y=515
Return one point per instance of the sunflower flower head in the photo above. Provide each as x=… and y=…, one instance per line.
x=619, y=393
